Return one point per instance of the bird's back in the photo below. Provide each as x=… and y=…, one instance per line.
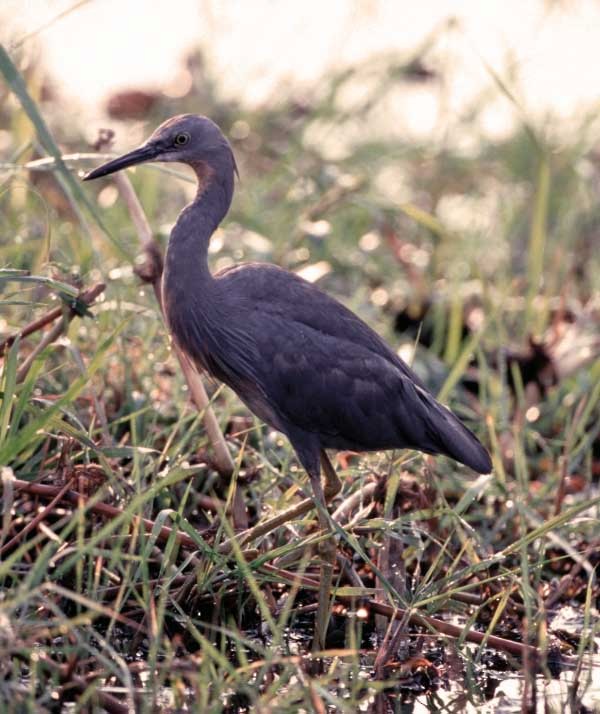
x=305, y=363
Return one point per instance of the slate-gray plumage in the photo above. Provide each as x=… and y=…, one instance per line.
x=300, y=360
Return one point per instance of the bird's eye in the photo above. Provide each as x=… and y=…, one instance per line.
x=182, y=139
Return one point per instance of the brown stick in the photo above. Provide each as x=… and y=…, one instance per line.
x=363, y=495
x=46, y=340
x=447, y=628
x=68, y=678
x=87, y=296
x=290, y=577
x=414, y=618
x=31, y=327
x=269, y=525
x=151, y=272
x=104, y=509
x=40, y=517
x=54, y=334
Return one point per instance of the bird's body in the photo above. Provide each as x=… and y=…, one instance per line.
x=299, y=359
x=310, y=368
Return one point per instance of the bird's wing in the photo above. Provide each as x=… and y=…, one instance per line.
x=332, y=385
x=355, y=398
x=325, y=371
x=276, y=293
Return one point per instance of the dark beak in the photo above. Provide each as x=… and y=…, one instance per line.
x=147, y=152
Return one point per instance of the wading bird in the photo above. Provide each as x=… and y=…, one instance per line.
x=299, y=360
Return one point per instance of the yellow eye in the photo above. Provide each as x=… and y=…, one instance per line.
x=182, y=139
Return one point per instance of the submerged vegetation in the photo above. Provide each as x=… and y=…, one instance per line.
x=136, y=573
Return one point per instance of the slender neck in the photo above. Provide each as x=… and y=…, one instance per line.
x=187, y=254
x=189, y=291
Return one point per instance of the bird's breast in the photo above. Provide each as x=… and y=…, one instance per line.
x=182, y=322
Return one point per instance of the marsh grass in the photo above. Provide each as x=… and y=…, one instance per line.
x=124, y=585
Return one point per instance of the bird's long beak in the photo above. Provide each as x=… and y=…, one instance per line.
x=146, y=152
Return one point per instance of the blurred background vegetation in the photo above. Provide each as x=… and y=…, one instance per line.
x=454, y=209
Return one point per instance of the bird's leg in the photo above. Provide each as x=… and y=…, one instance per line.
x=327, y=548
x=333, y=485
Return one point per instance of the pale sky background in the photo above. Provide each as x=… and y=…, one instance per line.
x=255, y=45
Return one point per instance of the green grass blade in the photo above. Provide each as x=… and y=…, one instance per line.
x=68, y=182
x=8, y=389
x=57, y=286
x=455, y=326
x=460, y=365
x=537, y=245
x=15, y=444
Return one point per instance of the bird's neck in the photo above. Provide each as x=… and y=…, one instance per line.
x=187, y=253
x=190, y=293
x=188, y=287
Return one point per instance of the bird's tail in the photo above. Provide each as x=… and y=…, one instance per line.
x=452, y=438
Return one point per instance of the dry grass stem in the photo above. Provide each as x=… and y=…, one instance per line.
x=153, y=253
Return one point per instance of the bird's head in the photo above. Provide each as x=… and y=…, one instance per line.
x=187, y=138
